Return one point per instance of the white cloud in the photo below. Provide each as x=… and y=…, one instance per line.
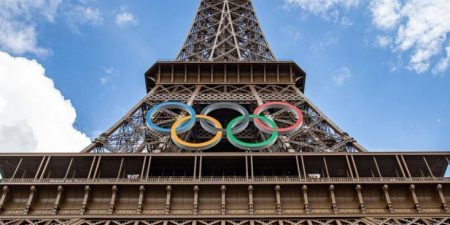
x=420, y=28
x=326, y=8
x=35, y=115
x=385, y=13
x=126, y=18
x=346, y=22
x=83, y=15
x=18, y=24
x=443, y=63
x=383, y=41
x=324, y=44
x=341, y=76
x=110, y=73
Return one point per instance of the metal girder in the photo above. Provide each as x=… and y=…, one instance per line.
x=226, y=30
x=325, y=221
x=318, y=134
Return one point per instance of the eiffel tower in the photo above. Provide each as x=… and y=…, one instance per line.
x=136, y=174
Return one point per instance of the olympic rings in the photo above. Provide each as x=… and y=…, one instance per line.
x=283, y=105
x=252, y=146
x=177, y=105
x=225, y=105
x=235, y=126
x=196, y=146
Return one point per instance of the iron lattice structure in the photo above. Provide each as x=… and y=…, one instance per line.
x=365, y=221
x=318, y=134
x=318, y=175
x=226, y=30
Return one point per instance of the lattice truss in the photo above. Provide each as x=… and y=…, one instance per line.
x=225, y=30
x=342, y=221
x=317, y=134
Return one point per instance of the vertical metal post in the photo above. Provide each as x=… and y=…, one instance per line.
x=195, y=204
x=200, y=168
x=278, y=73
x=303, y=167
x=172, y=73
x=250, y=200
x=159, y=74
x=143, y=168
x=120, y=168
x=223, y=203
x=195, y=167
x=141, y=199
x=149, y=164
x=246, y=168
x=278, y=199
x=87, y=189
x=168, y=198
x=185, y=73
x=251, y=167
x=298, y=167
x=305, y=199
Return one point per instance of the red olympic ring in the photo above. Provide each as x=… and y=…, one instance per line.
x=286, y=130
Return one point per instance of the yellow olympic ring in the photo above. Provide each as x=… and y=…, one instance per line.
x=196, y=146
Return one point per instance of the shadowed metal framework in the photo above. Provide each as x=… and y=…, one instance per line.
x=226, y=30
x=318, y=175
x=247, y=83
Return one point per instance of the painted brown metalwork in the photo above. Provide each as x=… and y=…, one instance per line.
x=318, y=175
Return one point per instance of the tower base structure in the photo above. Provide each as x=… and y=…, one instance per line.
x=225, y=188
x=318, y=175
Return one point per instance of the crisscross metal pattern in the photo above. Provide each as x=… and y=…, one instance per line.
x=226, y=30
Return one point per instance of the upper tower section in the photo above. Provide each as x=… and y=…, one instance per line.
x=226, y=31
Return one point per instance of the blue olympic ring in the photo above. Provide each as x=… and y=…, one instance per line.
x=177, y=105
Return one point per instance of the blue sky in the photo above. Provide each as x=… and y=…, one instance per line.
x=358, y=60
